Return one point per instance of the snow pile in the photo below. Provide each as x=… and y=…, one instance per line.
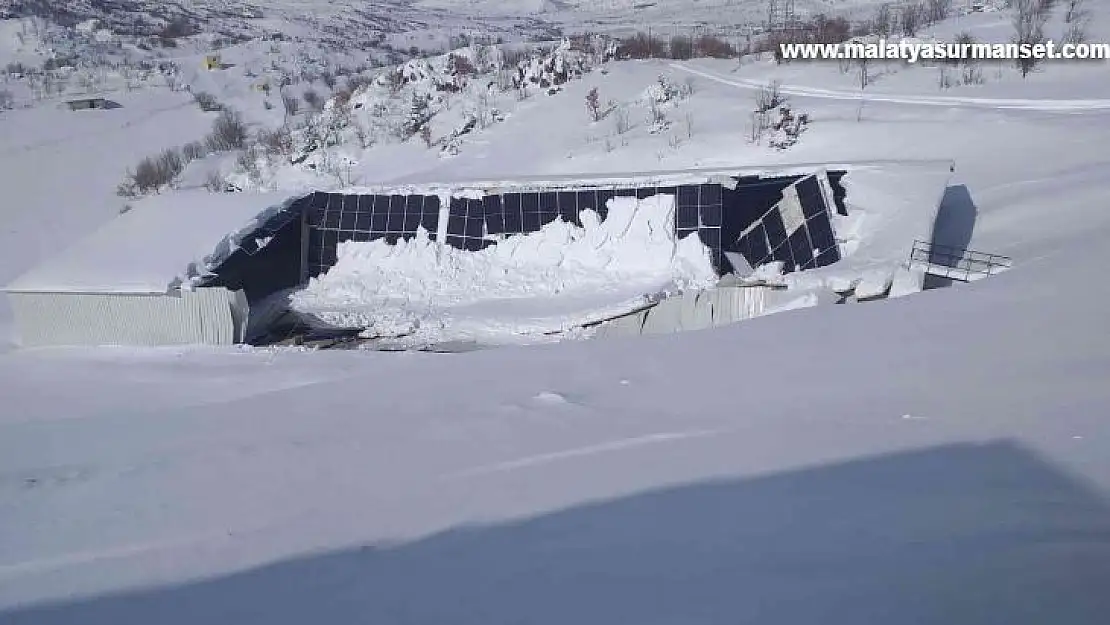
x=558, y=278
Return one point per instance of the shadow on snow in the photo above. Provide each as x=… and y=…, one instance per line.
x=956, y=534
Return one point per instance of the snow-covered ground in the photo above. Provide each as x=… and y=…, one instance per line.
x=940, y=457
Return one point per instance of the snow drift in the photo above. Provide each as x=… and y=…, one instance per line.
x=558, y=278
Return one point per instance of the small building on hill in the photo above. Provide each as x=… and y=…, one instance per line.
x=200, y=268
x=83, y=104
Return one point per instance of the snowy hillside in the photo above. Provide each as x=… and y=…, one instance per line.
x=935, y=458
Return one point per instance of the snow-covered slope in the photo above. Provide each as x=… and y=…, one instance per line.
x=934, y=458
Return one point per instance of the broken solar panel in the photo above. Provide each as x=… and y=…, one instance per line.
x=797, y=231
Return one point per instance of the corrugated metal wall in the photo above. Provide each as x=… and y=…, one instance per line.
x=692, y=310
x=212, y=316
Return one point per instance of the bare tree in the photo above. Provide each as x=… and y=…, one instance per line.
x=1029, y=20
x=682, y=48
x=593, y=104
x=313, y=100
x=206, y=101
x=229, y=132
x=657, y=117
x=913, y=18
x=292, y=106
x=621, y=120
x=277, y=142
x=863, y=72
x=193, y=150
x=1076, y=10
x=152, y=174
x=769, y=97
x=215, y=182
x=863, y=67
x=1076, y=17
x=426, y=135
x=938, y=10
x=883, y=21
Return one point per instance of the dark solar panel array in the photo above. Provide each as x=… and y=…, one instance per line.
x=473, y=224
x=333, y=218
x=810, y=244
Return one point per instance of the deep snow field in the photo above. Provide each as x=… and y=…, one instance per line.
x=936, y=458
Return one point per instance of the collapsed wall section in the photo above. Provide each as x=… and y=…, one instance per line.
x=797, y=231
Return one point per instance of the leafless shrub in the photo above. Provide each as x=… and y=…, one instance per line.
x=342, y=97
x=823, y=29
x=193, y=150
x=642, y=46
x=682, y=48
x=277, y=142
x=944, y=78
x=938, y=10
x=292, y=106
x=426, y=135
x=769, y=97
x=215, y=182
x=247, y=162
x=621, y=120
x=459, y=65
x=972, y=75
x=1075, y=32
x=657, y=117
x=912, y=18
x=714, y=47
x=1075, y=11
x=177, y=27
x=863, y=73
x=313, y=100
x=758, y=125
x=1029, y=20
x=593, y=104
x=229, y=132
x=152, y=174
x=358, y=81
x=206, y=101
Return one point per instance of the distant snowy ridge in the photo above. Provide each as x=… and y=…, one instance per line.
x=548, y=281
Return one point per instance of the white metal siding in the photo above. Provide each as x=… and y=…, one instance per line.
x=213, y=316
x=692, y=310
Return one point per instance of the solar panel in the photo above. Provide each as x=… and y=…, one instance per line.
x=796, y=230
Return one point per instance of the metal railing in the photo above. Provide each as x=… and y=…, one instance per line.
x=956, y=263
